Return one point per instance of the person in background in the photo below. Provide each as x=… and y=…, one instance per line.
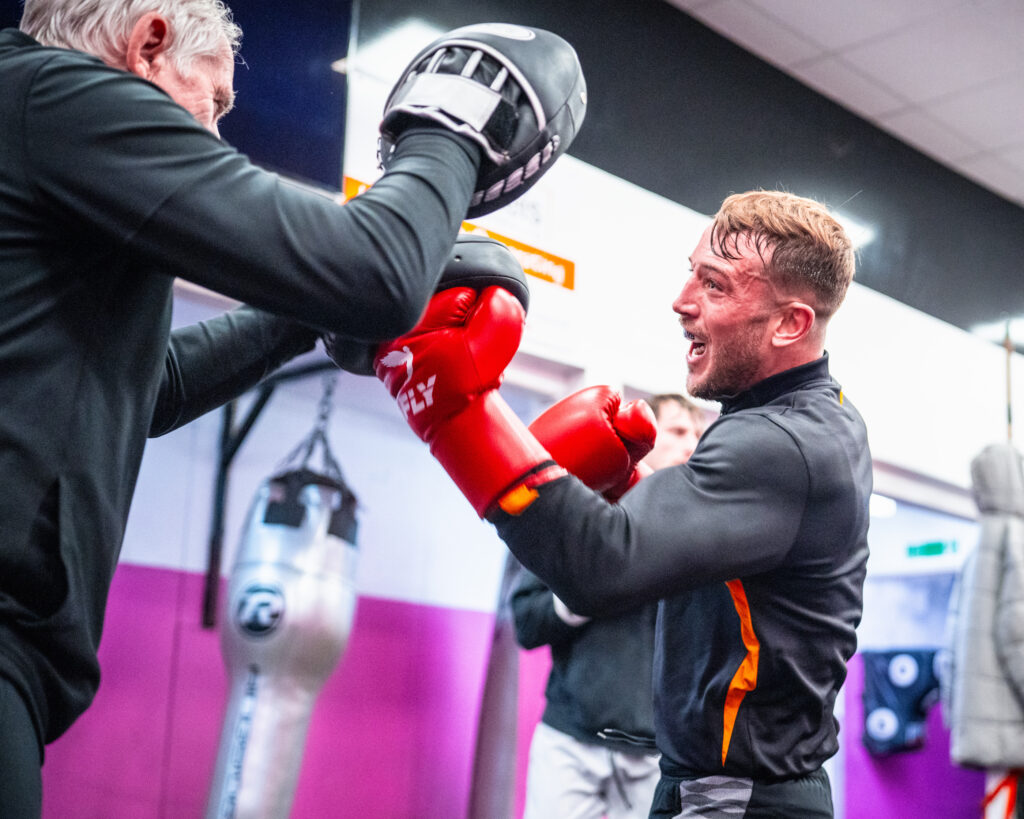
x=680, y=424
x=593, y=752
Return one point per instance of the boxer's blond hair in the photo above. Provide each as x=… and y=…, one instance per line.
x=198, y=28
x=804, y=248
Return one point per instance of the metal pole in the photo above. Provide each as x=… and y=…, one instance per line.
x=1008, y=344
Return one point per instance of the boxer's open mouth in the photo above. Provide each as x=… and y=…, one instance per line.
x=696, y=345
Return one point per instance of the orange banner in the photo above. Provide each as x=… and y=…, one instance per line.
x=536, y=262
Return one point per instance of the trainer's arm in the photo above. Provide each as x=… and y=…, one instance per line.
x=214, y=361
x=733, y=509
x=170, y=194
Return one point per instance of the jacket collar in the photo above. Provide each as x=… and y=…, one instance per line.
x=15, y=37
x=764, y=392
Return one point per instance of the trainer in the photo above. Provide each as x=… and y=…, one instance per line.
x=757, y=546
x=113, y=181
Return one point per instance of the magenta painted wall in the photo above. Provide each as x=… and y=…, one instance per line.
x=392, y=735
x=915, y=785
x=393, y=732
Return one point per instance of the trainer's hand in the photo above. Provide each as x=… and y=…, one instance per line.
x=445, y=375
x=598, y=438
x=517, y=91
x=476, y=261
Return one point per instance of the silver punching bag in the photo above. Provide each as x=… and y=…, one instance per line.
x=289, y=609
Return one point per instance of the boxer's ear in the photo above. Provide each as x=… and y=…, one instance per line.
x=795, y=322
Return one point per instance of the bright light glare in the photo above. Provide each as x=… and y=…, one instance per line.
x=996, y=331
x=387, y=56
x=859, y=233
x=882, y=507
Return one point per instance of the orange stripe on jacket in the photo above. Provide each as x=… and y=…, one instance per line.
x=745, y=678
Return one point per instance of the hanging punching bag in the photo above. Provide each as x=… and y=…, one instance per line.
x=289, y=609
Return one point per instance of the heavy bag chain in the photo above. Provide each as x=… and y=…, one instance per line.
x=318, y=436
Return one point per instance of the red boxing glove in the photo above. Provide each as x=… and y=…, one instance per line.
x=599, y=439
x=445, y=375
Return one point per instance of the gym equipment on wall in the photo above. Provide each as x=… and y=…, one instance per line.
x=284, y=625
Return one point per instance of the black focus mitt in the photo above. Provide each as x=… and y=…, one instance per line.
x=517, y=91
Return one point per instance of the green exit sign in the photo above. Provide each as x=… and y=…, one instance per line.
x=932, y=548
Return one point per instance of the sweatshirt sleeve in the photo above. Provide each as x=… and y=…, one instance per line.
x=733, y=509
x=214, y=361
x=172, y=196
x=1009, y=603
x=533, y=611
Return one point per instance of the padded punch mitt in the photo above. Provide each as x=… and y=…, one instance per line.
x=517, y=91
x=476, y=261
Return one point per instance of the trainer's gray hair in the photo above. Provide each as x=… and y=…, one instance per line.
x=198, y=28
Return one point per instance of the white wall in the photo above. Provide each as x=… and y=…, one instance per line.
x=932, y=395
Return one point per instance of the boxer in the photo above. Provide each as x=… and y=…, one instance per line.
x=756, y=547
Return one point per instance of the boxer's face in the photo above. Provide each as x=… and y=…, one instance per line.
x=726, y=308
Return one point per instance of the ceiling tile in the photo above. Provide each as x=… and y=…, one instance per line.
x=945, y=54
x=688, y=5
x=1015, y=156
x=992, y=116
x=1004, y=17
x=997, y=174
x=945, y=76
x=756, y=32
x=835, y=79
x=836, y=24
x=928, y=135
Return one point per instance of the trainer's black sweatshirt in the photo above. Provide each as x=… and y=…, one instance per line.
x=108, y=191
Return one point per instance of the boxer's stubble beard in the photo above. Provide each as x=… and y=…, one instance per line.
x=737, y=362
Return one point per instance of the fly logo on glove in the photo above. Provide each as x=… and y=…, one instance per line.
x=468, y=337
x=410, y=404
x=408, y=400
x=399, y=358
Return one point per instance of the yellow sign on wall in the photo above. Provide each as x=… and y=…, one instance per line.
x=536, y=262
